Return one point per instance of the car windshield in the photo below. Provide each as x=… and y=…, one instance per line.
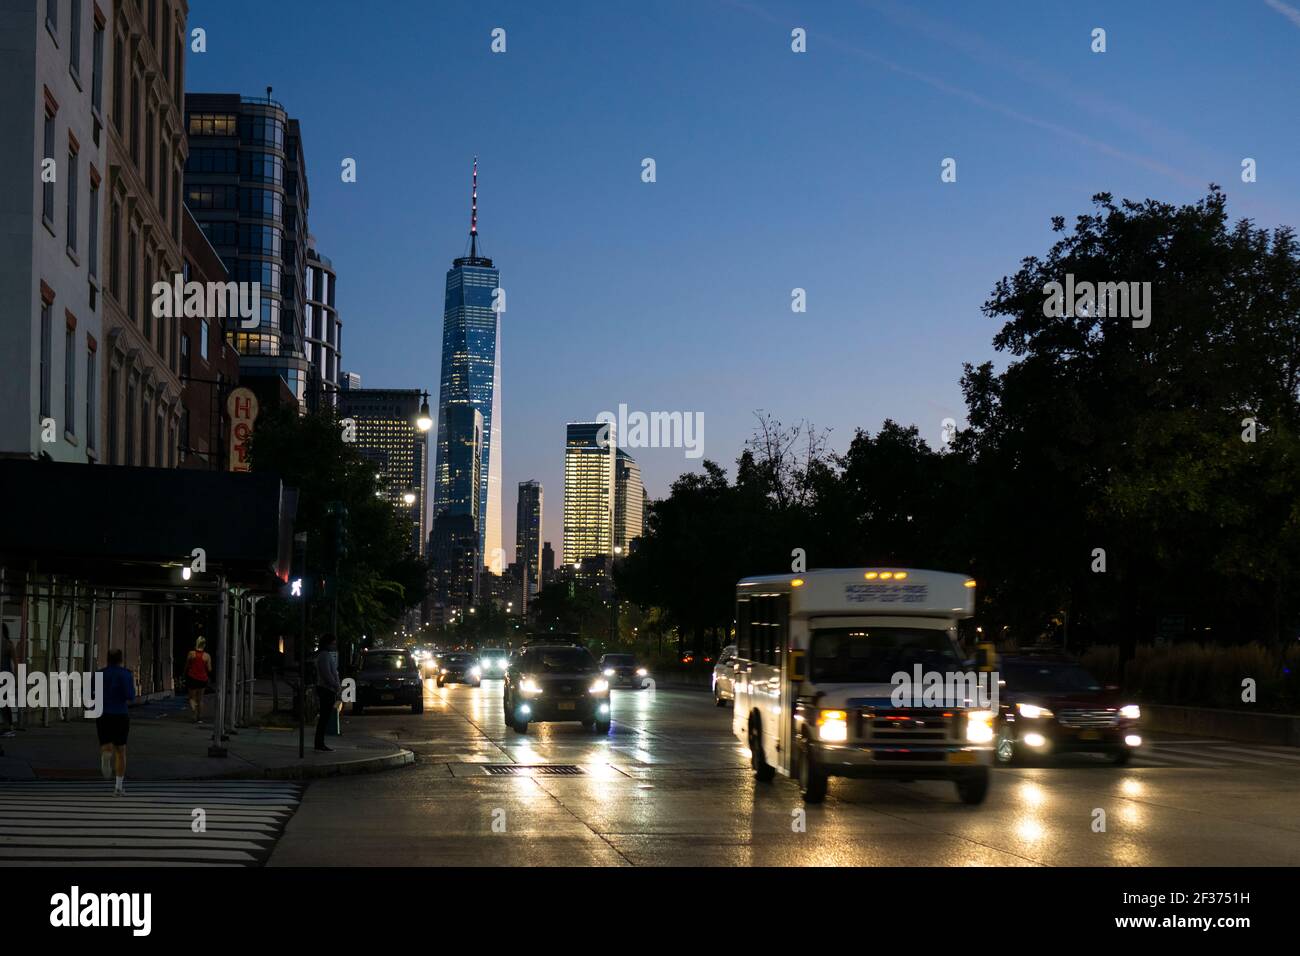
x=872, y=655
x=620, y=660
x=1039, y=677
x=391, y=661
x=492, y=652
x=459, y=658
x=560, y=660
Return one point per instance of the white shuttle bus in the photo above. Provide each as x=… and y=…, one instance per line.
x=815, y=679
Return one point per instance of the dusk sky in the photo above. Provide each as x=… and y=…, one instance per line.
x=775, y=170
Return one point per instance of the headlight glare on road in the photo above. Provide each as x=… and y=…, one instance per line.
x=979, y=726
x=1130, y=711
x=598, y=686
x=1032, y=711
x=833, y=726
x=529, y=686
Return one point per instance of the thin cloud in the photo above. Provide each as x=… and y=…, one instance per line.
x=1291, y=13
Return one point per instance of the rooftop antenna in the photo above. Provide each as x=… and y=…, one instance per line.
x=473, y=214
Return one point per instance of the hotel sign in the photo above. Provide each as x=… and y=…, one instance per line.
x=242, y=408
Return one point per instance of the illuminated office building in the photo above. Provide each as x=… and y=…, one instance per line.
x=589, y=455
x=387, y=434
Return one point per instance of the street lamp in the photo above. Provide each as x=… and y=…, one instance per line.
x=425, y=421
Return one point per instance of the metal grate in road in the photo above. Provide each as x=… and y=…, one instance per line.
x=541, y=770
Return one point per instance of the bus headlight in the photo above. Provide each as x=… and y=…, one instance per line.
x=1130, y=711
x=832, y=726
x=979, y=726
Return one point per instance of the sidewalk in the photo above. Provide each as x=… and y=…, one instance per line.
x=165, y=744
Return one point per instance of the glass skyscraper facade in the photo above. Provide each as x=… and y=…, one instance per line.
x=589, y=450
x=471, y=373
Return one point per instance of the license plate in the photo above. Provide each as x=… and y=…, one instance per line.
x=1090, y=735
x=387, y=696
x=962, y=756
x=568, y=705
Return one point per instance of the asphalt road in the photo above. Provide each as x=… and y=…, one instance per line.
x=670, y=786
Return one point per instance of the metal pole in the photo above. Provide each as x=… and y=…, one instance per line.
x=236, y=635
x=218, y=724
x=49, y=640
x=252, y=669
x=302, y=680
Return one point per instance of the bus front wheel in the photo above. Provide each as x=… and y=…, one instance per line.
x=812, y=778
x=974, y=789
x=763, y=771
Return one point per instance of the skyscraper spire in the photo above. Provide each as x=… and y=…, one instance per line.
x=473, y=214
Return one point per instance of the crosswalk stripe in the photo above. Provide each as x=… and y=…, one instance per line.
x=1289, y=753
x=74, y=822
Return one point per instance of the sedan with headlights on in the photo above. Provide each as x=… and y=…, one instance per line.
x=555, y=682
x=622, y=670
x=459, y=668
x=1048, y=704
x=492, y=662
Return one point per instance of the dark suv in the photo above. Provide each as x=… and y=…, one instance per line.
x=1050, y=704
x=555, y=682
x=388, y=678
x=459, y=668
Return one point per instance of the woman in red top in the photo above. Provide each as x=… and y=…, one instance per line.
x=198, y=668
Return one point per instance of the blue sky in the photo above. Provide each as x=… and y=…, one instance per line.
x=775, y=170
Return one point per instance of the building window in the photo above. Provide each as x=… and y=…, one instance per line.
x=97, y=70
x=132, y=278
x=153, y=23
x=185, y=355
x=144, y=427
x=162, y=176
x=113, y=406
x=159, y=449
x=92, y=412
x=185, y=433
x=176, y=205
x=70, y=380
x=52, y=15
x=46, y=357
x=130, y=457
x=74, y=46
x=47, y=199
x=135, y=118
x=72, y=200
x=145, y=290
x=203, y=339
x=149, y=181
x=163, y=54
x=115, y=250
x=119, y=64
x=92, y=244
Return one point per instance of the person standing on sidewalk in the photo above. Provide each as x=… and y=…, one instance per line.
x=7, y=667
x=114, y=722
x=327, y=688
x=198, y=670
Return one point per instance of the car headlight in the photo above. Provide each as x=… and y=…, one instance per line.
x=833, y=725
x=1032, y=711
x=641, y=672
x=476, y=671
x=444, y=670
x=1130, y=711
x=598, y=686
x=979, y=726
x=529, y=686
x=609, y=672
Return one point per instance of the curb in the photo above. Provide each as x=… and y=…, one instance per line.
x=344, y=768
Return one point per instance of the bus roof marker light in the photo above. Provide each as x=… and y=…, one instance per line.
x=899, y=575
x=797, y=583
x=886, y=575
x=970, y=582
x=871, y=575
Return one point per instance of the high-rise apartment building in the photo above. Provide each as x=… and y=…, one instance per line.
x=57, y=71
x=471, y=373
x=323, y=329
x=528, y=536
x=246, y=183
x=589, y=455
x=629, y=502
x=387, y=433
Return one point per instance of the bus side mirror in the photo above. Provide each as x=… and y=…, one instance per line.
x=797, y=666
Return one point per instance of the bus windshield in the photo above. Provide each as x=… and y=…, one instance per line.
x=872, y=655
